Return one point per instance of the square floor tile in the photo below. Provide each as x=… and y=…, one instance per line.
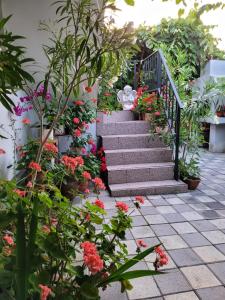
x=182, y=208
x=174, y=201
x=113, y=292
x=199, y=206
x=185, y=257
x=142, y=231
x=213, y=293
x=173, y=242
x=182, y=296
x=174, y=218
x=200, y=277
x=183, y=227
x=215, y=205
x=215, y=236
x=143, y=287
x=219, y=270
x=204, y=199
x=131, y=246
x=221, y=247
x=159, y=202
x=165, y=209
x=209, y=214
x=209, y=254
x=192, y=215
x=138, y=221
x=148, y=210
x=195, y=239
x=155, y=219
x=219, y=223
x=172, y=282
x=203, y=225
x=164, y=229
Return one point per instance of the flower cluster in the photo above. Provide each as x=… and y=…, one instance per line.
x=161, y=258
x=72, y=162
x=45, y=291
x=122, y=206
x=101, y=156
x=139, y=200
x=50, y=147
x=34, y=166
x=86, y=175
x=99, y=185
x=99, y=203
x=91, y=257
x=141, y=243
x=20, y=193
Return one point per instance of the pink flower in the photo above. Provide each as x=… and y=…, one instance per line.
x=161, y=259
x=157, y=113
x=54, y=221
x=26, y=121
x=2, y=151
x=88, y=247
x=122, y=206
x=91, y=142
x=86, y=175
x=29, y=184
x=91, y=257
x=45, y=291
x=20, y=193
x=34, y=166
x=140, y=199
x=87, y=191
x=141, y=243
x=79, y=102
x=18, y=110
x=45, y=229
x=8, y=239
x=76, y=121
x=77, y=133
x=99, y=203
x=94, y=100
x=83, y=150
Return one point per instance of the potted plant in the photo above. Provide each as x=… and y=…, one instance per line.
x=190, y=173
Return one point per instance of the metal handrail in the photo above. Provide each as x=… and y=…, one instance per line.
x=157, y=75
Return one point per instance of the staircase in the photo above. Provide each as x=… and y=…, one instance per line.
x=136, y=163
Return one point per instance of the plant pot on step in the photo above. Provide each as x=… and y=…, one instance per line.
x=192, y=183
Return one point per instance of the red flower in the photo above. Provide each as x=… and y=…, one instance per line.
x=98, y=183
x=45, y=291
x=20, y=193
x=162, y=258
x=94, y=100
x=98, y=120
x=83, y=150
x=54, y=221
x=86, y=175
x=8, y=239
x=79, y=102
x=122, y=206
x=157, y=113
x=34, y=166
x=87, y=191
x=29, y=184
x=72, y=162
x=140, y=199
x=99, y=203
x=76, y=120
x=107, y=94
x=50, y=147
x=91, y=257
x=26, y=121
x=88, y=89
x=77, y=133
x=2, y=151
x=141, y=243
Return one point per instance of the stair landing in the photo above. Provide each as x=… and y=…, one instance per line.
x=137, y=164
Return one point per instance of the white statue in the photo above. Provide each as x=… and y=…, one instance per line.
x=126, y=97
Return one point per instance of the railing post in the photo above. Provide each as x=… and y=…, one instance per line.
x=177, y=142
x=135, y=74
x=159, y=71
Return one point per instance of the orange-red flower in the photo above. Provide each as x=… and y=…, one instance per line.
x=20, y=193
x=99, y=185
x=122, y=206
x=141, y=243
x=26, y=121
x=76, y=120
x=51, y=148
x=157, y=113
x=79, y=102
x=91, y=257
x=45, y=291
x=77, y=133
x=99, y=203
x=140, y=199
x=29, y=184
x=34, y=166
x=86, y=175
x=8, y=239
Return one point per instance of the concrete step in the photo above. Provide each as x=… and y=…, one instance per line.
x=116, y=116
x=140, y=172
x=135, y=156
x=131, y=141
x=147, y=188
x=128, y=127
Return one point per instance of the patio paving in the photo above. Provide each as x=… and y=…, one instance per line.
x=192, y=227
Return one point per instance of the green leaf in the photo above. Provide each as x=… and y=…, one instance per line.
x=180, y=12
x=130, y=2
x=4, y=21
x=6, y=218
x=6, y=278
x=134, y=274
x=89, y=291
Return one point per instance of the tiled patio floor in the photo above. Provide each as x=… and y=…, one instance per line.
x=192, y=228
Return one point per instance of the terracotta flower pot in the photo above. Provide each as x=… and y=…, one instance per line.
x=219, y=114
x=192, y=183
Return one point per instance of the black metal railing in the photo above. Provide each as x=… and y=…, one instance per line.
x=154, y=73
